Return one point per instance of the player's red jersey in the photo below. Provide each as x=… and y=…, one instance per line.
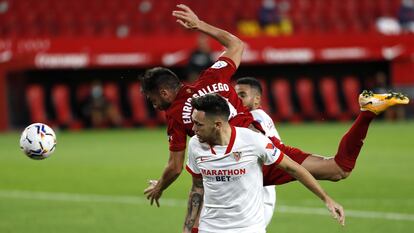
x=215, y=79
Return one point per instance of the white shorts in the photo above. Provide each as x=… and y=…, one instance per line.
x=269, y=199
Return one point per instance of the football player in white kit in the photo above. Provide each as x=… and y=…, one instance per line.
x=250, y=91
x=226, y=165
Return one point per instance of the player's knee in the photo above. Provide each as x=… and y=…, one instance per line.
x=340, y=175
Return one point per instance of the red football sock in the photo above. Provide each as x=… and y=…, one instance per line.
x=351, y=143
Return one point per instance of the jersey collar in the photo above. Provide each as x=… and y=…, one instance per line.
x=231, y=142
x=232, y=139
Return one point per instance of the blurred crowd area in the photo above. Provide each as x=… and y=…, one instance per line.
x=68, y=90
x=124, y=18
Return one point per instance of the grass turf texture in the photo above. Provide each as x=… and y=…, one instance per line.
x=94, y=182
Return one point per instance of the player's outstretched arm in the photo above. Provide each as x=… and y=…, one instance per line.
x=301, y=174
x=195, y=203
x=189, y=20
x=170, y=174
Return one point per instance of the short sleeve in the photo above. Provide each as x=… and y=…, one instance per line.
x=177, y=136
x=223, y=69
x=267, y=123
x=269, y=154
x=191, y=165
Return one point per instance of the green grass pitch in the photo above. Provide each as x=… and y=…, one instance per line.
x=94, y=182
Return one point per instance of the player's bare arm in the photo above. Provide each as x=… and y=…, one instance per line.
x=195, y=203
x=189, y=20
x=171, y=172
x=301, y=174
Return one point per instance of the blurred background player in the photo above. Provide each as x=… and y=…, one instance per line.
x=200, y=59
x=226, y=165
x=97, y=111
x=250, y=91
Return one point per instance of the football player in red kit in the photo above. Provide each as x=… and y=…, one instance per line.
x=167, y=93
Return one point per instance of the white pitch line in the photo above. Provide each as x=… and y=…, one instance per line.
x=75, y=197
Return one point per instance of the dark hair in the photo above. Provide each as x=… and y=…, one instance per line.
x=159, y=77
x=253, y=82
x=212, y=104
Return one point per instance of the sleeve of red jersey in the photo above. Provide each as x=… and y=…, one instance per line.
x=223, y=69
x=177, y=137
x=296, y=154
x=191, y=165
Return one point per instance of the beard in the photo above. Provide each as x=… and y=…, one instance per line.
x=210, y=138
x=164, y=105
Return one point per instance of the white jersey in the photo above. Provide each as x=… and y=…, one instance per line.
x=266, y=122
x=233, y=181
x=269, y=191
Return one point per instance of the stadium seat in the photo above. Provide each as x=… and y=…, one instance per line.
x=137, y=104
x=351, y=89
x=306, y=95
x=35, y=98
x=111, y=93
x=61, y=103
x=329, y=93
x=281, y=93
x=47, y=17
x=82, y=92
x=265, y=96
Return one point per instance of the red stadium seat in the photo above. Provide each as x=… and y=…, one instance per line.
x=265, y=96
x=316, y=15
x=281, y=93
x=329, y=93
x=138, y=104
x=111, y=93
x=35, y=98
x=61, y=103
x=82, y=92
x=305, y=91
x=351, y=88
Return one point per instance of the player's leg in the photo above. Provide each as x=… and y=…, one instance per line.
x=351, y=143
x=324, y=168
x=340, y=166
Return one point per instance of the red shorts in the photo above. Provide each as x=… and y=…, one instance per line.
x=275, y=176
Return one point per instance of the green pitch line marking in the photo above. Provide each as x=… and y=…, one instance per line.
x=169, y=202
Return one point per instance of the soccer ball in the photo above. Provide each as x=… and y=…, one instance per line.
x=38, y=141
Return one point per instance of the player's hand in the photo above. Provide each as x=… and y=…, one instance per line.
x=186, y=17
x=153, y=192
x=337, y=211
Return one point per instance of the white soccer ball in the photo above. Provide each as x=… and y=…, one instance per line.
x=38, y=141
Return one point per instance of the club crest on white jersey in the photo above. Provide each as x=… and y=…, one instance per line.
x=237, y=155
